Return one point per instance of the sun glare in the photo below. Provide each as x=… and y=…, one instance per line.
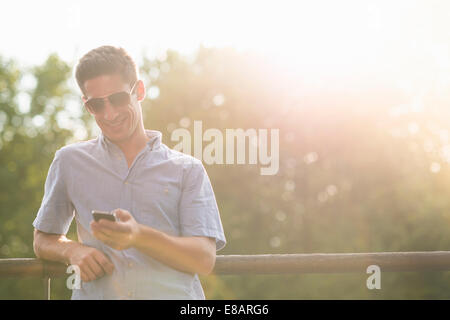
x=323, y=38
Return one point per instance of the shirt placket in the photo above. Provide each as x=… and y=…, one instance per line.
x=125, y=202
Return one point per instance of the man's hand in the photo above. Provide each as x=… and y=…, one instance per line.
x=56, y=247
x=119, y=235
x=93, y=263
x=193, y=254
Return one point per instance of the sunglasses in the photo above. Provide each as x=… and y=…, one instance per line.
x=117, y=100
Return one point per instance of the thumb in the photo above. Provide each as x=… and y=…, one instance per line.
x=122, y=215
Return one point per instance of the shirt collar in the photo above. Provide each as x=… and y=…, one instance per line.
x=155, y=139
x=153, y=144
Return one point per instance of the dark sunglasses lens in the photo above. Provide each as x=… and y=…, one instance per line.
x=96, y=105
x=119, y=99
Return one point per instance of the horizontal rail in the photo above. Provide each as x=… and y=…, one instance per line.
x=271, y=264
x=30, y=267
x=332, y=262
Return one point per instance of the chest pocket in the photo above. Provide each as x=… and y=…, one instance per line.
x=156, y=205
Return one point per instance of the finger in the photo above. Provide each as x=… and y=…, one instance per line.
x=105, y=232
x=95, y=267
x=85, y=277
x=113, y=242
x=96, y=228
x=104, y=262
x=103, y=224
x=108, y=236
x=110, y=242
x=95, y=224
x=87, y=272
x=113, y=239
x=99, y=235
x=115, y=235
x=114, y=226
x=122, y=215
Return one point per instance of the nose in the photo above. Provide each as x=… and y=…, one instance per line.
x=109, y=113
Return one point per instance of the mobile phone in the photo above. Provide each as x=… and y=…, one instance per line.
x=103, y=215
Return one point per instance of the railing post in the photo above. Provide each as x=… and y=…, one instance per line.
x=46, y=282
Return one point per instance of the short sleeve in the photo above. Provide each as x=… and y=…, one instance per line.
x=56, y=212
x=199, y=215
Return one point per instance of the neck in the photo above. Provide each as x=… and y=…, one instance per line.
x=135, y=143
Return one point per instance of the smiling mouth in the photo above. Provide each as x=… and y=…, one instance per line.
x=116, y=124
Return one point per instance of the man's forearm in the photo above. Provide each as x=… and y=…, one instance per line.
x=54, y=247
x=186, y=254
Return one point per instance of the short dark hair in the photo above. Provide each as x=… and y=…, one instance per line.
x=106, y=60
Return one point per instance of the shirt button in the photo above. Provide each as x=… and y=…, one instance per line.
x=126, y=182
x=166, y=191
x=130, y=294
x=130, y=264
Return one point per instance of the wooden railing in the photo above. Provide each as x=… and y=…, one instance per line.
x=266, y=264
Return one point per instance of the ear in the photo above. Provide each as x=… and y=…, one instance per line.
x=140, y=90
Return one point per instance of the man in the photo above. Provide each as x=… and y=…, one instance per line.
x=168, y=226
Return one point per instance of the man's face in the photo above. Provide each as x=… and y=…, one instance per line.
x=117, y=123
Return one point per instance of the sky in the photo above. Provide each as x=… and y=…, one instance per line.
x=319, y=39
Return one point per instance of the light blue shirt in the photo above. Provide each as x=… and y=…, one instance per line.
x=163, y=189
